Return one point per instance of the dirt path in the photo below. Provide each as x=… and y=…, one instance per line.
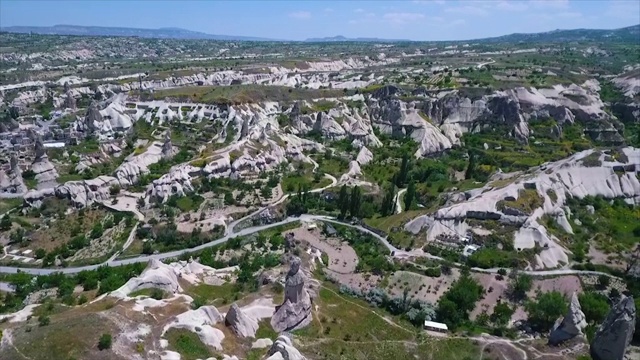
x=7, y=340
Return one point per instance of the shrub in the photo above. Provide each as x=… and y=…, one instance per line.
x=104, y=342
x=43, y=320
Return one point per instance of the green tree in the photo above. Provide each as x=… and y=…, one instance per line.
x=455, y=304
x=471, y=168
x=603, y=281
x=104, y=342
x=410, y=195
x=595, y=306
x=501, y=314
x=405, y=166
x=343, y=201
x=5, y=223
x=355, y=201
x=546, y=309
x=520, y=284
x=388, y=203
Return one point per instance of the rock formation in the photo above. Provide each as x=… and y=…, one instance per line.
x=241, y=324
x=614, y=334
x=295, y=312
x=571, y=325
x=11, y=182
x=613, y=179
x=283, y=349
x=176, y=182
x=69, y=101
x=93, y=116
x=167, y=146
x=45, y=173
x=156, y=275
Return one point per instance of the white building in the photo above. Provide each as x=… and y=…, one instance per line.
x=436, y=326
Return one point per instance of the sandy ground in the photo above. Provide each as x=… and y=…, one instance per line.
x=567, y=285
x=342, y=257
x=494, y=290
x=421, y=287
x=611, y=260
x=360, y=281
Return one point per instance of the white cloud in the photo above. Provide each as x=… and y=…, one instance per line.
x=359, y=10
x=467, y=10
x=328, y=10
x=402, y=18
x=300, y=15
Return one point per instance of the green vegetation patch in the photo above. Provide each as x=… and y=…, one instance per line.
x=188, y=344
x=527, y=201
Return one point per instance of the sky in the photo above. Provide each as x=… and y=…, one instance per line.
x=298, y=20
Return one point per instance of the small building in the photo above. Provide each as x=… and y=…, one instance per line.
x=469, y=250
x=436, y=326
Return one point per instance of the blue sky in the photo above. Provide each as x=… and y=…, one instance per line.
x=298, y=20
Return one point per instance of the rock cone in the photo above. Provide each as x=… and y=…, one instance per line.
x=571, y=325
x=240, y=323
x=295, y=312
x=615, y=333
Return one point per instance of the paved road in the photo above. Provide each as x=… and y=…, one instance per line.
x=6, y=287
x=398, y=253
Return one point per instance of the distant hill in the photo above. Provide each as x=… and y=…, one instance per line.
x=626, y=34
x=163, y=33
x=341, y=38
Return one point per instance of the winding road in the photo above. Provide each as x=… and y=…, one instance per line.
x=231, y=233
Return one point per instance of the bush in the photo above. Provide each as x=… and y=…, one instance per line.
x=104, y=342
x=43, y=320
x=544, y=311
x=433, y=272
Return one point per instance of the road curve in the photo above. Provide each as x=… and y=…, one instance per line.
x=230, y=234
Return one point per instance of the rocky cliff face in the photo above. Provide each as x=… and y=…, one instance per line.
x=614, y=335
x=46, y=173
x=241, y=324
x=283, y=349
x=11, y=182
x=176, y=182
x=565, y=178
x=295, y=312
x=571, y=325
x=437, y=123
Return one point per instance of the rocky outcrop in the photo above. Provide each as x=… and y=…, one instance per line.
x=69, y=101
x=295, y=312
x=176, y=182
x=201, y=322
x=398, y=118
x=566, y=178
x=45, y=173
x=283, y=349
x=571, y=325
x=241, y=324
x=156, y=275
x=11, y=182
x=85, y=192
x=615, y=333
x=167, y=146
x=92, y=117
